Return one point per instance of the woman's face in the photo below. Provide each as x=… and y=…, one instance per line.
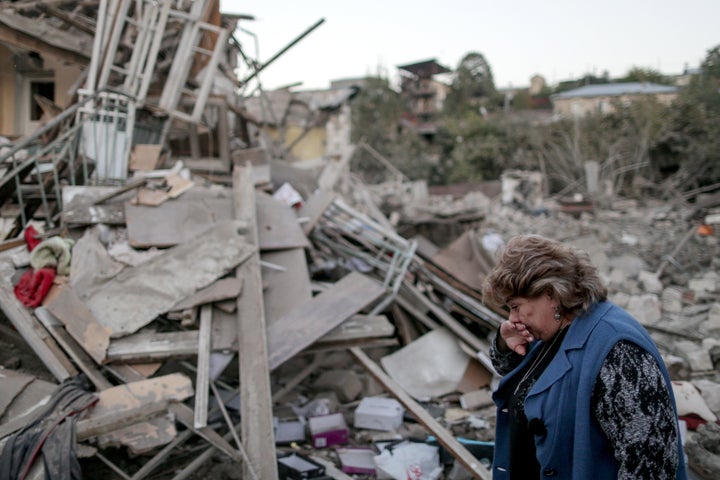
x=536, y=314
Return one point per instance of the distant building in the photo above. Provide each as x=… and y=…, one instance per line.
x=600, y=98
x=423, y=94
x=683, y=79
x=308, y=124
x=537, y=85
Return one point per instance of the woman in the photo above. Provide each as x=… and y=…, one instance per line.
x=585, y=393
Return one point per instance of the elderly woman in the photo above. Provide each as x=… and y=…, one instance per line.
x=585, y=393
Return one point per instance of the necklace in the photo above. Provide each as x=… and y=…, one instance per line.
x=538, y=360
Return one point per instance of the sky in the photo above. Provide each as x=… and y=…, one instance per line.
x=558, y=39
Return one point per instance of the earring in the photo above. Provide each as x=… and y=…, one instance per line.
x=557, y=315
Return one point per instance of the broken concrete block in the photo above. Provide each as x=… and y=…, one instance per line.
x=645, y=308
x=698, y=358
x=678, y=367
x=346, y=383
x=712, y=324
x=650, y=282
x=672, y=300
x=477, y=399
x=702, y=285
x=630, y=264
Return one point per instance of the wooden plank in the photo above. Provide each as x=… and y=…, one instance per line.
x=184, y=415
x=222, y=289
x=74, y=351
x=446, y=439
x=313, y=209
x=254, y=373
x=29, y=42
x=67, y=45
x=464, y=260
x=285, y=290
x=116, y=192
x=34, y=334
x=360, y=327
x=406, y=330
x=111, y=420
x=137, y=295
x=153, y=346
x=202, y=381
x=224, y=330
x=132, y=404
x=175, y=222
x=277, y=225
x=126, y=372
x=416, y=296
x=80, y=322
x=305, y=324
x=150, y=197
x=145, y=435
x=174, y=387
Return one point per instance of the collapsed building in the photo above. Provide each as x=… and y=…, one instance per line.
x=210, y=291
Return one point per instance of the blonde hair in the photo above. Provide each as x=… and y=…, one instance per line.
x=532, y=265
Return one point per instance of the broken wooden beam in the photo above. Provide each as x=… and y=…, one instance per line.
x=153, y=346
x=455, y=448
x=202, y=382
x=254, y=373
x=305, y=324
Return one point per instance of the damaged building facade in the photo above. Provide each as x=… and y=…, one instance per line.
x=204, y=289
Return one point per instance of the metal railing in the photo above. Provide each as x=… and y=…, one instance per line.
x=84, y=136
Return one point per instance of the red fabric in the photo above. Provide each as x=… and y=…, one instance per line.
x=34, y=285
x=31, y=238
x=693, y=420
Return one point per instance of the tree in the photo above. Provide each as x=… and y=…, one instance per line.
x=473, y=86
x=692, y=146
x=639, y=74
x=377, y=121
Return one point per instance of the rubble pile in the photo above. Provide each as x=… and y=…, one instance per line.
x=152, y=306
x=181, y=314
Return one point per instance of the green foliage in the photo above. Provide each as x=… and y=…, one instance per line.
x=472, y=87
x=588, y=79
x=376, y=121
x=639, y=74
x=643, y=145
x=710, y=67
x=693, y=142
x=473, y=149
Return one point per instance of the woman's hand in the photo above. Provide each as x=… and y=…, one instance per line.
x=515, y=337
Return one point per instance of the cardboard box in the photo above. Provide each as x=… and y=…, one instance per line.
x=327, y=430
x=357, y=460
x=297, y=467
x=288, y=431
x=379, y=413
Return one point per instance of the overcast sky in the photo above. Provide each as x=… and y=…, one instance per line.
x=559, y=39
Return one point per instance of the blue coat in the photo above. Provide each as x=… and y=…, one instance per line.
x=574, y=446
